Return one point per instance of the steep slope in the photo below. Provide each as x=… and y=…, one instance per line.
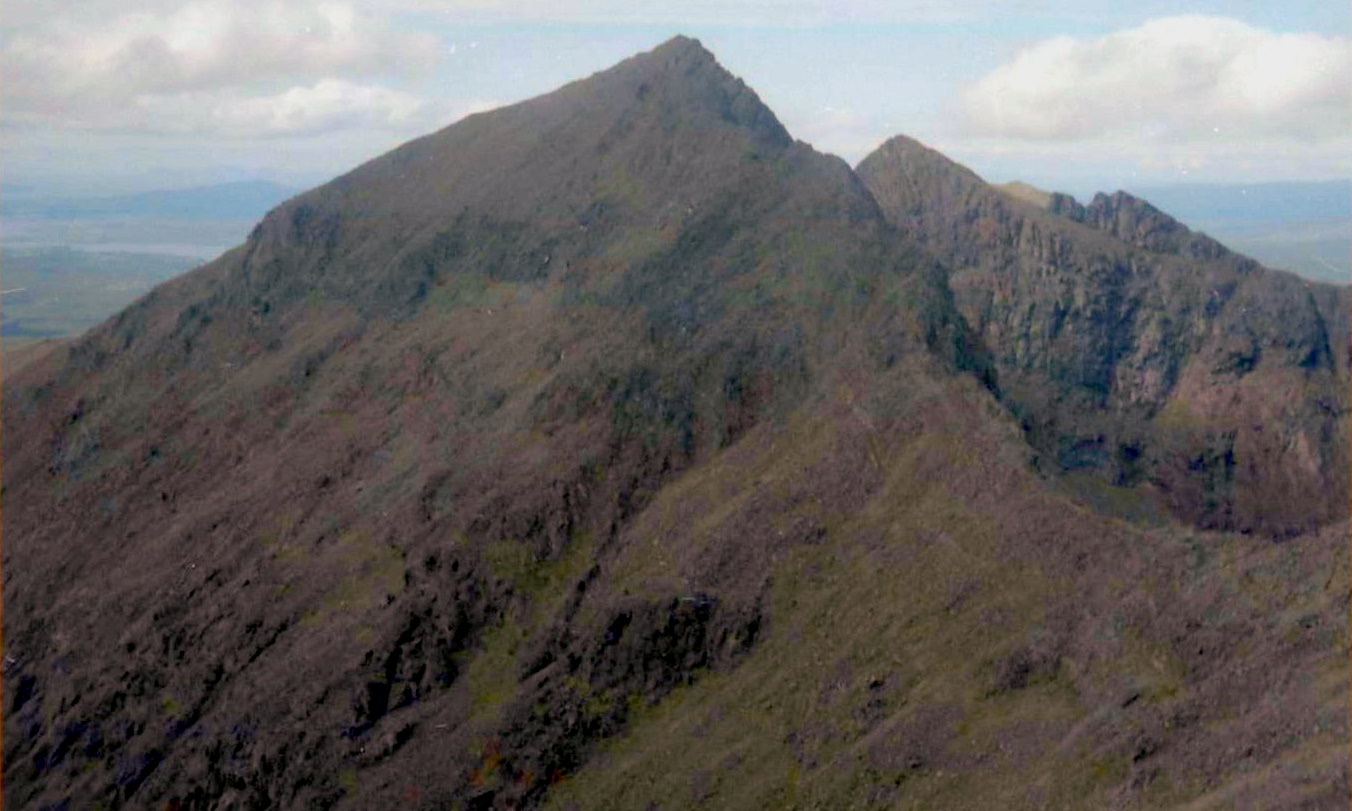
x=1133, y=347
x=957, y=636
x=259, y=523
x=607, y=450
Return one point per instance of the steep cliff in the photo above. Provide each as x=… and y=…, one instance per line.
x=1137, y=349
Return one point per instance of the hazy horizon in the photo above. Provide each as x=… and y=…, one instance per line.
x=107, y=96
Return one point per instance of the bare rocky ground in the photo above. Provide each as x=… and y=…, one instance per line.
x=614, y=450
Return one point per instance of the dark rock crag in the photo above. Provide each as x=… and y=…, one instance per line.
x=1131, y=346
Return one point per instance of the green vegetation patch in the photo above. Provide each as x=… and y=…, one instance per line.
x=465, y=290
x=491, y=673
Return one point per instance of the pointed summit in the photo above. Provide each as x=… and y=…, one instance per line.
x=903, y=150
x=645, y=141
x=681, y=46
x=678, y=90
x=688, y=79
x=907, y=176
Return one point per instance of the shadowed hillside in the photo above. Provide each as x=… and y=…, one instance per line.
x=614, y=450
x=1133, y=347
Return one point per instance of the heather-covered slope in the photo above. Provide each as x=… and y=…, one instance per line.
x=607, y=448
x=259, y=524
x=1133, y=347
x=956, y=636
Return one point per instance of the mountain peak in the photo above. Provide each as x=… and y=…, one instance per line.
x=687, y=77
x=681, y=46
x=906, y=175
x=655, y=132
x=902, y=155
x=908, y=150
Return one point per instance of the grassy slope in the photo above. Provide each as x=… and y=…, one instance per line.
x=963, y=639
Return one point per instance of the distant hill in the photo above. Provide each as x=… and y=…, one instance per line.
x=243, y=199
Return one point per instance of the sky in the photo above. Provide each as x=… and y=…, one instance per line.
x=102, y=96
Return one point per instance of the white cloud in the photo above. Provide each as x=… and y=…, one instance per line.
x=753, y=13
x=1088, y=166
x=841, y=131
x=1175, y=80
x=286, y=64
x=329, y=104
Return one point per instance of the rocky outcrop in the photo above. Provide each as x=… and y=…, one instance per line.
x=1130, y=346
x=1136, y=222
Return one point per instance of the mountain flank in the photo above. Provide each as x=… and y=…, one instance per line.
x=1136, y=349
x=616, y=450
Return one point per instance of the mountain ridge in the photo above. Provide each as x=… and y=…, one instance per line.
x=615, y=449
x=1139, y=223
x=1111, y=323
x=642, y=315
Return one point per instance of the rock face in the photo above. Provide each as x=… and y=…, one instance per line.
x=1131, y=346
x=614, y=449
